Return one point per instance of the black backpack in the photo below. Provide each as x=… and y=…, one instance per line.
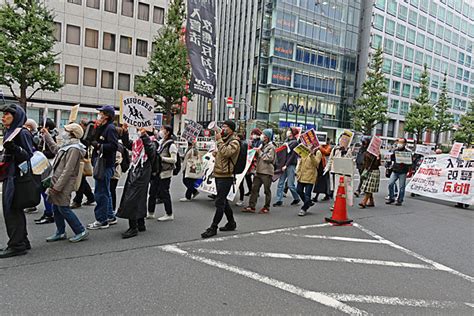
x=241, y=162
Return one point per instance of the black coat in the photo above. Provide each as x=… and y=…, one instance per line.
x=135, y=193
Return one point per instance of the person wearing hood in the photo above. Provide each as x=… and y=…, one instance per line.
x=65, y=172
x=134, y=197
x=17, y=150
x=265, y=170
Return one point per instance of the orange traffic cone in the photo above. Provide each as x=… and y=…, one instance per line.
x=339, y=215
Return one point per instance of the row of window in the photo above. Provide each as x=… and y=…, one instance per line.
x=312, y=83
x=89, y=78
x=143, y=9
x=401, y=31
x=91, y=39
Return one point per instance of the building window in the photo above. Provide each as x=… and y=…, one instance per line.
x=158, y=15
x=428, y=60
x=72, y=75
x=57, y=31
x=419, y=58
x=394, y=104
x=79, y=2
x=402, y=12
x=401, y=30
x=438, y=48
x=388, y=46
x=92, y=38
x=404, y=108
x=387, y=66
x=73, y=35
x=110, y=6
x=399, y=48
x=378, y=22
x=409, y=54
x=142, y=48
x=107, y=79
x=429, y=44
x=415, y=92
x=420, y=40
x=397, y=70
x=127, y=8
x=392, y=7
x=376, y=41
x=90, y=77
x=407, y=70
x=417, y=75
x=124, y=82
x=396, y=87
x=421, y=21
x=143, y=11
x=411, y=34
x=93, y=4
x=406, y=90
x=126, y=45
x=431, y=26
x=109, y=42
x=390, y=27
x=380, y=4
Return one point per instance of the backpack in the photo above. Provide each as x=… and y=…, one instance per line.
x=241, y=162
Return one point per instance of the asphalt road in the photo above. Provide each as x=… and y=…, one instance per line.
x=414, y=259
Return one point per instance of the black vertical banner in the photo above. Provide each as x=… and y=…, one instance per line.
x=201, y=43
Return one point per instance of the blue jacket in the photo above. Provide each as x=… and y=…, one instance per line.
x=107, y=137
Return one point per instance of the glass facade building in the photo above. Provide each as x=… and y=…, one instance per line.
x=438, y=33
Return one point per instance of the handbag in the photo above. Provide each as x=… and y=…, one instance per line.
x=88, y=170
x=27, y=190
x=364, y=175
x=99, y=168
x=194, y=167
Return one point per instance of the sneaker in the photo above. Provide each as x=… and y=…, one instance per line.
x=75, y=205
x=264, y=210
x=248, y=209
x=31, y=210
x=98, y=225
x=166, y=217
x=228, y=227
x=195, y=194
x=45, y=220
x=277, y=204
x=211, y=231
x=184, y=200
x=79, y=237
x=295, y=202
x=89, y=202
x=9, y=252
x=302, y=213
x=150, y=215
x=112, y=221
x=389, y=201
x=56, y=237
x=398, y=203
x=131, y=232
x=239, y=203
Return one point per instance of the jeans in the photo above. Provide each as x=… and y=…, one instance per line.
x=62, y=214
x=223, y=186
x=402, y=178
x=190, y=189
x=103, y=209
x=304, y=191
x=289, y=175
x=48, y=208
x=260, y=179
x=84, y=189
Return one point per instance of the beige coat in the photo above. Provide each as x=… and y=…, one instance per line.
x=65, y=171
x=226, y=157
x=307, y=169
x=265, y=159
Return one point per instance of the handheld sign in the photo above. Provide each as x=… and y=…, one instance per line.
x=423, y=150
x=374, y=146
x=344, y=166
x=137, y=111
x=302, y=150
x=191, y=131
x=310, y=139
x=403, y=157
x=456, y=150
x=468, y=154
x=73, y=114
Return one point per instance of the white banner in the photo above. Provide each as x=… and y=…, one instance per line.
x=445, y=178
x=137, y=111
x=208, y=184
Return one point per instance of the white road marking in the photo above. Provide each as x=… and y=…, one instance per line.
x=313, y=258
x=311, y=295
x=469, y=304
x=435, y=264
x=370, y=241
x=386, y=300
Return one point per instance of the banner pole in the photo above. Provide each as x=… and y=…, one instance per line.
x=216, y=102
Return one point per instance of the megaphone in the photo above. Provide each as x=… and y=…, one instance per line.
x=213, y=126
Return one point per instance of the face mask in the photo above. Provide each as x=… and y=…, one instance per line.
x=288, y=134
x=262, y=138
x=224, y=133
x=400, y=146
x=254, y=137
x=65, y=136
x=100, y=117
x=161, y=134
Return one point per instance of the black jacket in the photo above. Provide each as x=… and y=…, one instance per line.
x=292, y=157
x=107, y=138
x=399, y=167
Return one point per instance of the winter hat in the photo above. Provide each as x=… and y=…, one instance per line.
x=32, y=123
x=231, y=125
x=256, y=131
x=107, y=110
x=75, y=129
x=8, y=108
x=269, y=133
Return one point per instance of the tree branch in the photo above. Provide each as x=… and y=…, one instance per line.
x=11, y=90
x=33, y=93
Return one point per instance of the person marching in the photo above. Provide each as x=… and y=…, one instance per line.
x=307, y=173
x=65, y=172
x=322, y=184
x=189, y=183
x=370, y=179
x=226, y=155
x=265, y=171
x=17, y=150
x=134, y=197
x=399, y=172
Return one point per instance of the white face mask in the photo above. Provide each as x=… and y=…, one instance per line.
x=288, y=134
x=100, y=117
x=65, y=136
x=254, y=137
x=400, y=146
x=262, y=138
x=161, y=134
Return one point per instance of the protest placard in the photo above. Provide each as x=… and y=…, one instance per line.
x=385, y=155
x=468, y=154
x=374, y=146
x=73, y=113
x=322, y=137
x=346, y=138
x=191, y=131
x=158, y=121
x=344, y=166
x=310, y=139
x=445, y=178
x=404, y=157
x=137, y=111
x=281, y=155
x=302, y=150
x=423, y=150
x=456, y=150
